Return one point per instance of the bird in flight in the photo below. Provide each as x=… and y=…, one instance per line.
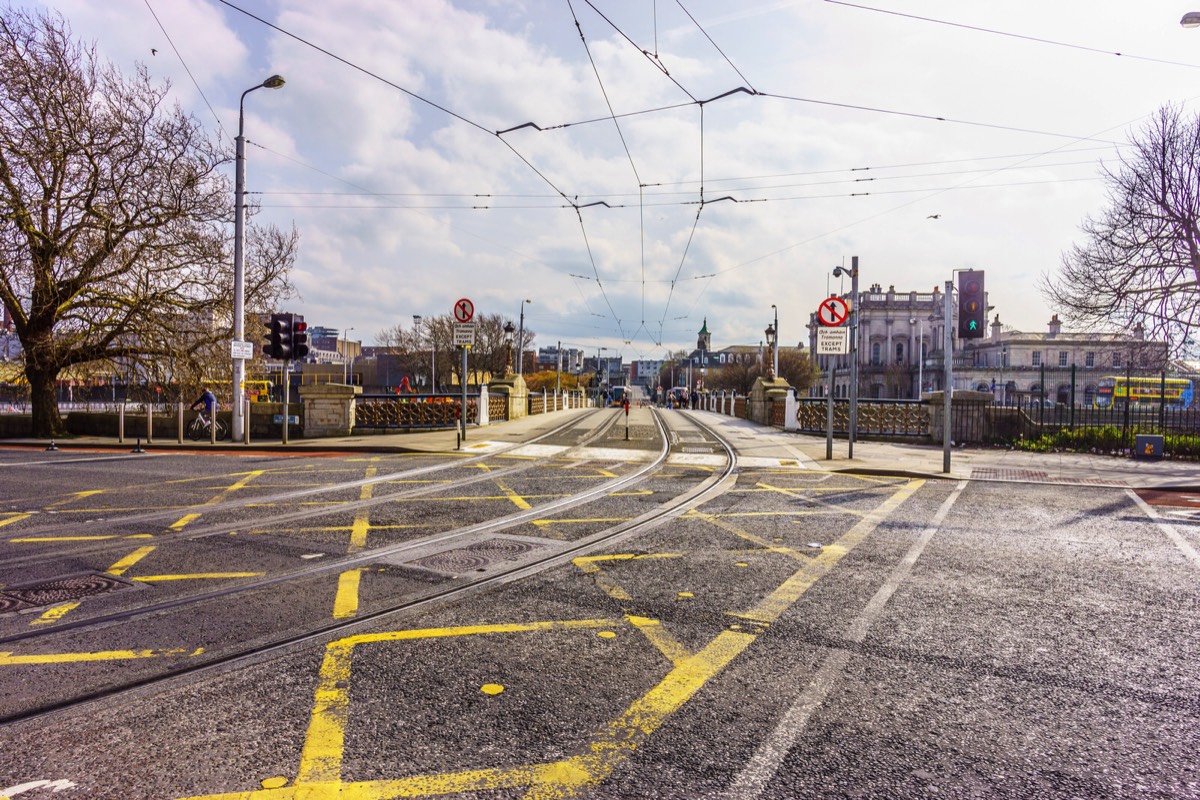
x=153, y=52
x=934, y=216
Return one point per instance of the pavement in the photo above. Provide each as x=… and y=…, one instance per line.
x=869, y=457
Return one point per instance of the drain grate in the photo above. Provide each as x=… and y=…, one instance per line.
x=1036, y=476
x=59, y=590
x=476, y=556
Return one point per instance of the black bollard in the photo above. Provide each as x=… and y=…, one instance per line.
x=138, y=449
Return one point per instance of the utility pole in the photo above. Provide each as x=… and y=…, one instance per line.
x=948, y=378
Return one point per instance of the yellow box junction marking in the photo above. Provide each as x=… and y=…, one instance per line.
x=55, y=613
x=319, y=773
x=122, y=566
x=517, y=500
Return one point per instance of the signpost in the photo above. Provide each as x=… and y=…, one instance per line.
x=833, y=339
x=464, y=339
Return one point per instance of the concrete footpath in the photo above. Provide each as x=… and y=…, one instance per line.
x=874, y=458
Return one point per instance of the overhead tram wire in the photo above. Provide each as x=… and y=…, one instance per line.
x=1024, y=37
x=400, y=89
x=186, y=68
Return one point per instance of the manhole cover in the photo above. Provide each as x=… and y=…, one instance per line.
x=476, y=556
x=697, y=449
x=59, y=590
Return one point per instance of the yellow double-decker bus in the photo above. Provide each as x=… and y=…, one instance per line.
x=1119, y=391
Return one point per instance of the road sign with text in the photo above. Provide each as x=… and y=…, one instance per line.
x=833, y=341
x=464, y=334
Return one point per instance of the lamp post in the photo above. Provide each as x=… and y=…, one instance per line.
x=239, y=241
x=771, y=352
x=775, y=351
x=416, y=338
x=345, y=351
x=508, y=341
x=521, y=340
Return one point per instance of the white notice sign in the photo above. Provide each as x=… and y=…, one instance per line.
x=241, y=349
x=833, y=341
x=464, y=334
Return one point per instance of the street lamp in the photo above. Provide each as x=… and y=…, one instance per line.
x=775, y=354
x=521, y=340
x=239, y=241
x=598, y=351
x=416, y=339
x=345, y=351
x=771, y=358
x=508, y=341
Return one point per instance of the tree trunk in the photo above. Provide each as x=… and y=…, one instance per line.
x=47, y=422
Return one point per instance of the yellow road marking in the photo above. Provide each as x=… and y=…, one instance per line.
x=787, y=593
x=345, y=603
x=319, y=773
x=657, y=635
x=7, y=659
x=54, y=614
x=321, y=757
x=362, y=520
x=17, y=516
x=76, y=496
x=183, y=521
x=517, y=500
x=195, y=576
x=716, y=519
x=128, y=561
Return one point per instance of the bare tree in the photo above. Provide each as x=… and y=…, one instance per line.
x=114, y=218
x=1140, y=261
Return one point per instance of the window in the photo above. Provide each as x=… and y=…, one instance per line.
x=1062, y=358
x=1037, y=358
x=899, y=352
x=1089, y=360
x=875, y=353
x=1116, y=359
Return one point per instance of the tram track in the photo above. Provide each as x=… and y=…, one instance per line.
x=222, y=528
x=555, y=556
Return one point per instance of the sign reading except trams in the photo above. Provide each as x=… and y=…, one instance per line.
x=833, y=311
x=833, y=341
x=464, y=310
x=464, y=334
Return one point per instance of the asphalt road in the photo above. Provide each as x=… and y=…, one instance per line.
x=800, y=634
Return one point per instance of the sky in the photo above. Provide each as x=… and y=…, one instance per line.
x=636, y=167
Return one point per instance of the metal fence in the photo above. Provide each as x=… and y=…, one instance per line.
x=885, y=418
x=413, y=410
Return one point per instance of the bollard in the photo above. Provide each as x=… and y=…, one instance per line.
x=138, y=449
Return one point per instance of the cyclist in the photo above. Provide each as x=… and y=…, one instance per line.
x=209, y=401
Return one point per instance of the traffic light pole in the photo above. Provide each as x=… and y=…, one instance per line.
x=948, y=378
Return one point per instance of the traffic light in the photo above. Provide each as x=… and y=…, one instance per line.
x=972, y=305
x=279, y=338
x=299, y=337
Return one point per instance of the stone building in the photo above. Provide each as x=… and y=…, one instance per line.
x=900, y=354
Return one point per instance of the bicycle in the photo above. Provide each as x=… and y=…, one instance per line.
x=199, y=429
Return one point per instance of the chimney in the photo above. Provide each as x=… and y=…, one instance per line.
x=1055, y=327
x=996, y=328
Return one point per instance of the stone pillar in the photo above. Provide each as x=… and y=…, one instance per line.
x=516, y=393
x=483, y=405
x=790, y=423
x=762, y=395
x=328, y=409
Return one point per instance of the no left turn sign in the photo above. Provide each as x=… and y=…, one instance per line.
x=833, y=311
x=464, y=310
